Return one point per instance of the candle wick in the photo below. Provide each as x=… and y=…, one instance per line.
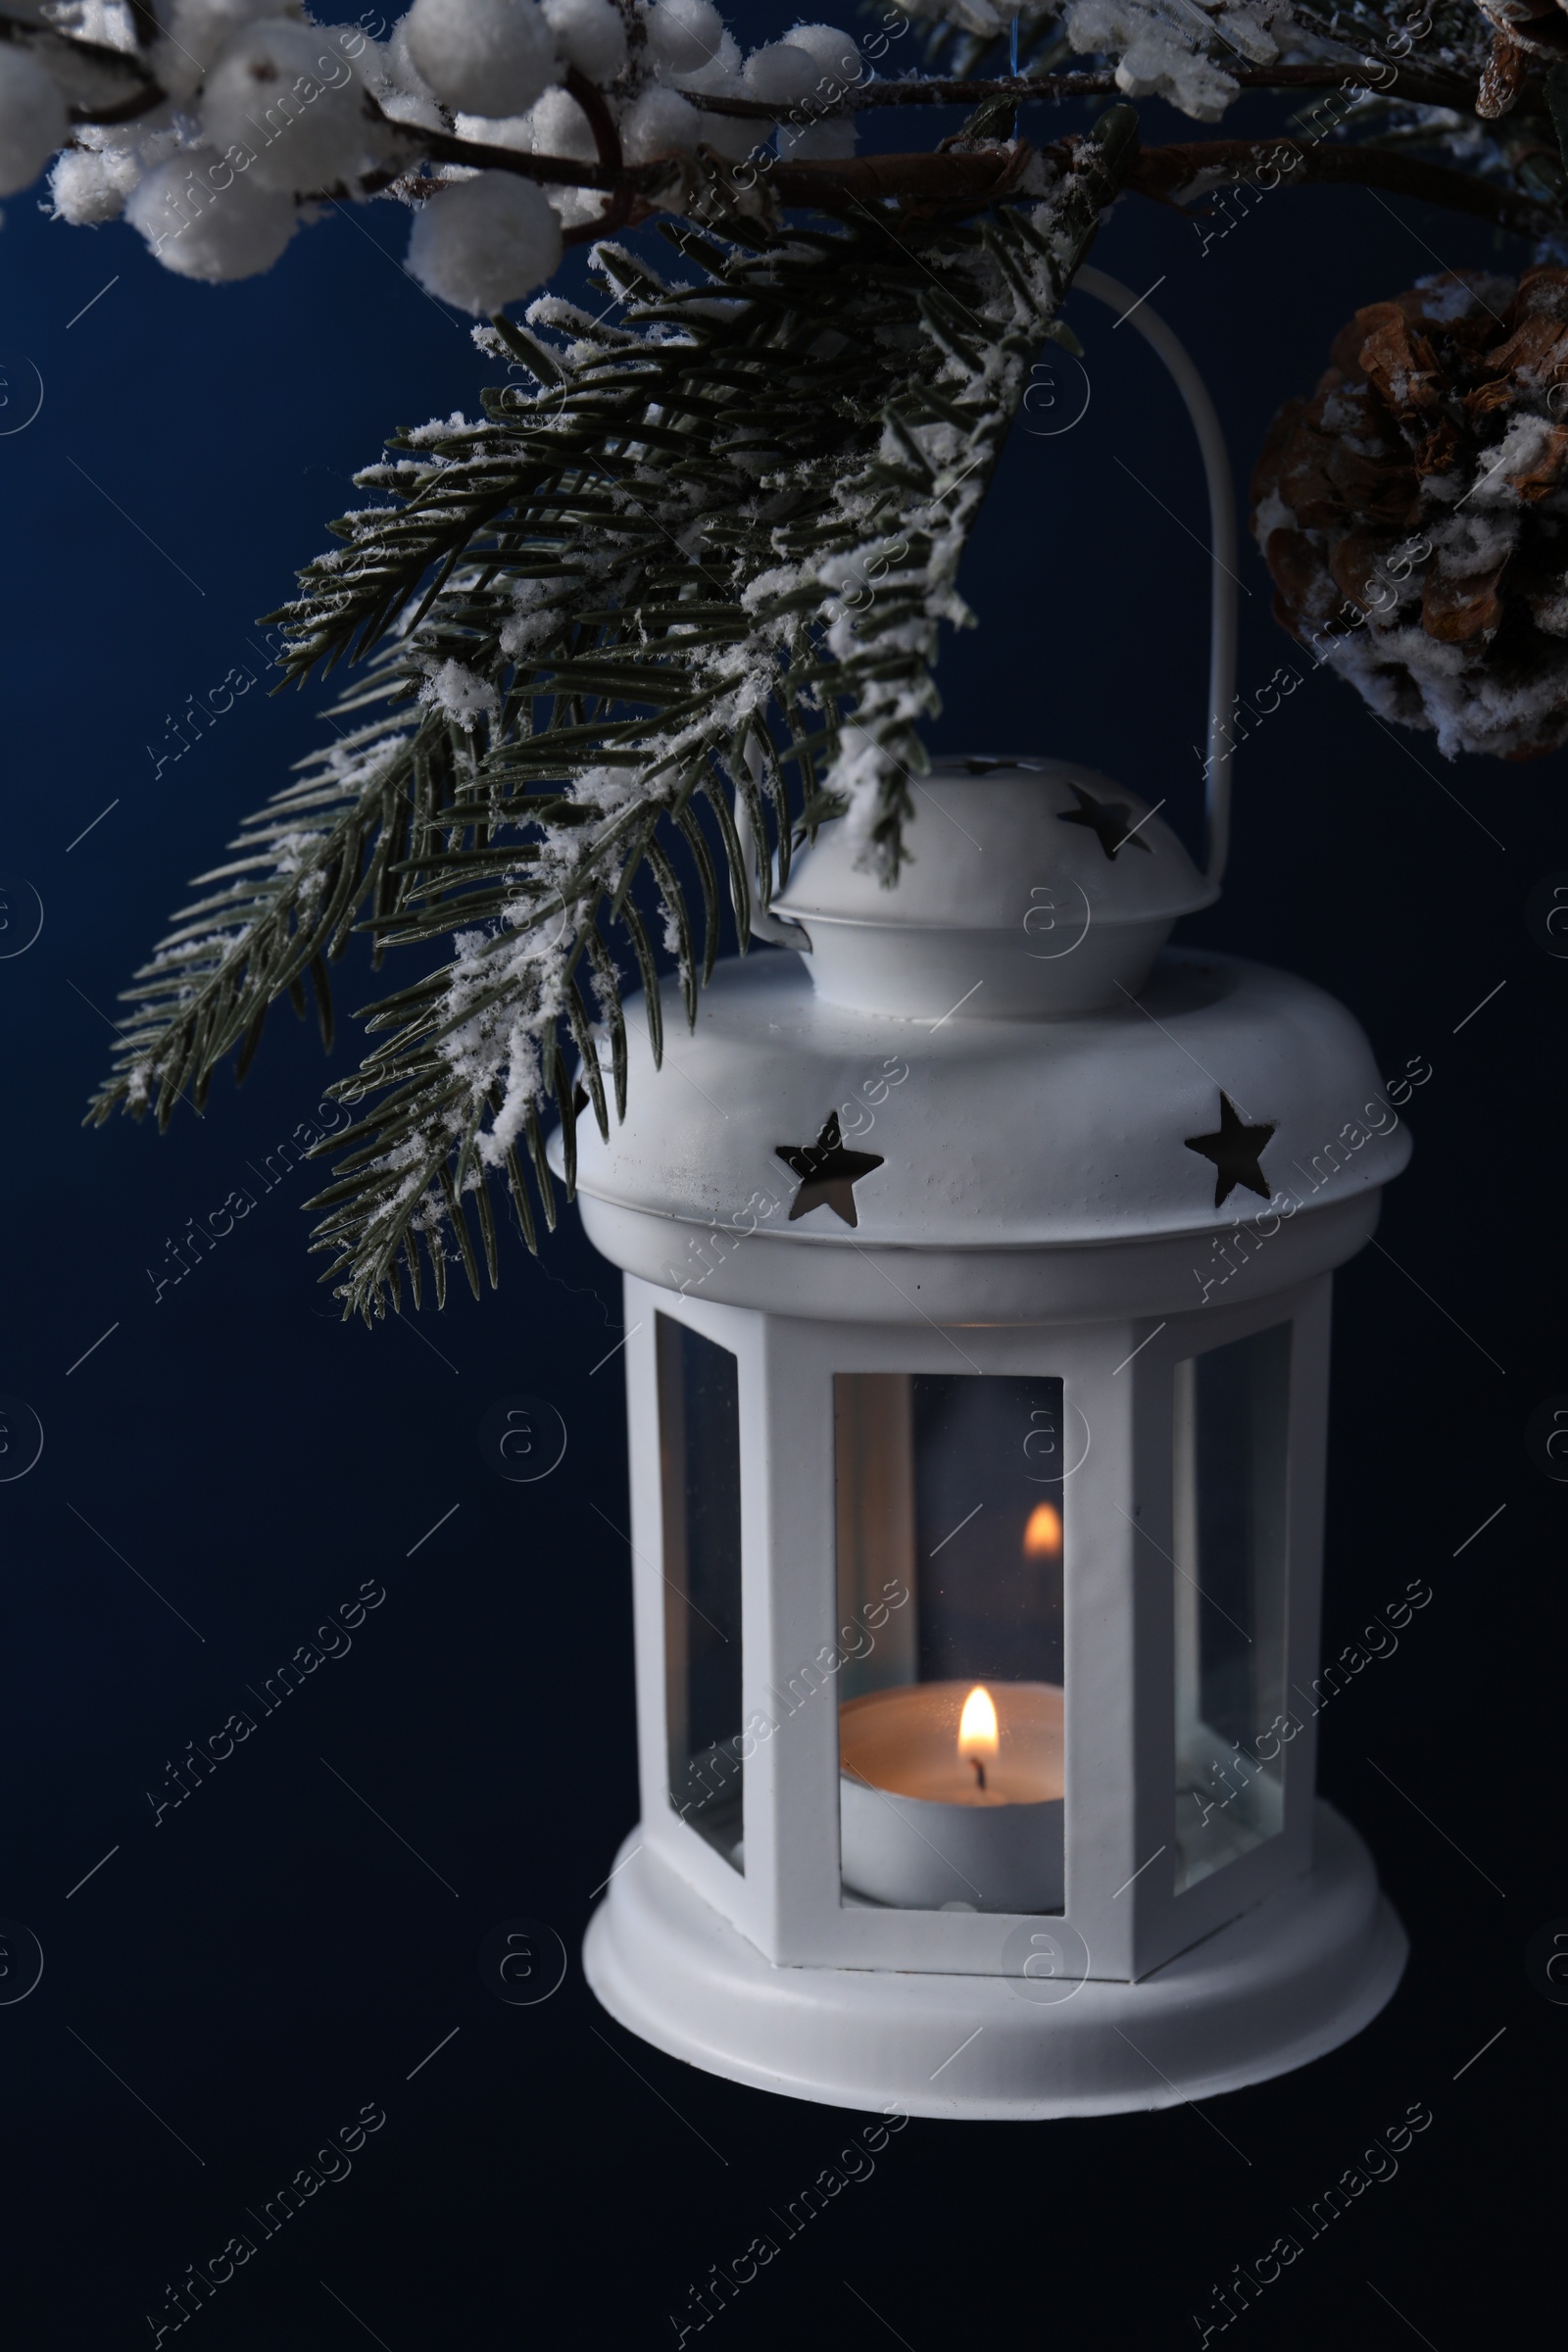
x=979, y=1771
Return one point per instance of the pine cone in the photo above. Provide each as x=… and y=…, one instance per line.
x=1414, y=513
x=1502, y=77
x=1521, y=31
x=1539, y=27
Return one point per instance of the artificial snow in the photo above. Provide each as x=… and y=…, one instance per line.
x=1160, y=50
x=88, y=186
x=1445, y=297
x=463, y=695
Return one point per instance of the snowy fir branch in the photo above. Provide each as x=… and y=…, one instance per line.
x=637, y=630
x=703, y=561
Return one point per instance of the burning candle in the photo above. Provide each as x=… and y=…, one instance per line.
x=978, y=1737
x=951, y=1796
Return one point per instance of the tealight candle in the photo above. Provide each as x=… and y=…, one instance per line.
x=951, y=1794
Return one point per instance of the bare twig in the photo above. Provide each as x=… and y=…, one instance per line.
x=973, y=177
x=1417, y=85
x=1172, y=174
x=600, y=121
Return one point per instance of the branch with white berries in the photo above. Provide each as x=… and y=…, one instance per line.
x=216, y=125
x=513, y=128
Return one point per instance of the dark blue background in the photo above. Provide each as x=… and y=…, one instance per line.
x=271, y=1956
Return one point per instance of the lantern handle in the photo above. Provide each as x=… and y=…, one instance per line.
x=762, y=922
x=1222, y=551
x=765, y=925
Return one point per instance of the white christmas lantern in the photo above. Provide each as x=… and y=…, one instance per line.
x=978, y=1251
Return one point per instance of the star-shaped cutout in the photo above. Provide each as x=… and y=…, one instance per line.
x=1109, y=820
x=828, y=1173
x=1236, y=1151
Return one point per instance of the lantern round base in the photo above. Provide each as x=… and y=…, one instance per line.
x=1283, y=1984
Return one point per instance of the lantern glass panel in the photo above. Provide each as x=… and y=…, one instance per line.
x=1232, y=1411
x=699, y=1465
x=950, y=1536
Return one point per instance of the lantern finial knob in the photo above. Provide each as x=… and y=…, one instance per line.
x=1035, y=890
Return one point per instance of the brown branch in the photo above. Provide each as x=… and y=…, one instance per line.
x=1169, y=174
x=977, y=177
x=1174, y=174
x=1415, y=86
x=121, y=75
x=624, y=207
x=141, y=102
x=606, y=138
x=600, y=121
x=1411, y=84
x=561, y=170
x=611, y=174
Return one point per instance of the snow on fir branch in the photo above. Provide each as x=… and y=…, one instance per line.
x=705, y=561
x=632, y=634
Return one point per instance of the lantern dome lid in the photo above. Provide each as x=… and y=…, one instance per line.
x=1038, y=886
x=1227, y=1092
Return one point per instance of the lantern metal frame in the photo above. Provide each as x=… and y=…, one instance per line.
x=1120, y=1638
x=774, y=1973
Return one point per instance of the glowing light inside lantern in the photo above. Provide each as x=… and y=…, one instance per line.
x=1042, y=1533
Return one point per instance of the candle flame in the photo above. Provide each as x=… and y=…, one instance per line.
x=1043, y=1532
x=977, y=1725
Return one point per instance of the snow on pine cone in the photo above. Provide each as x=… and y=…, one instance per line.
x=1414, y=513
x=1539, y=27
